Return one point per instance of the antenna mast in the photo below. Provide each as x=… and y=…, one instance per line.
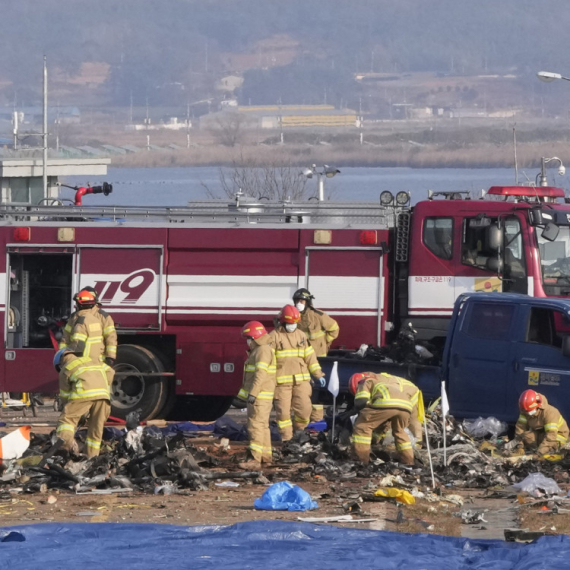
x=45, y=133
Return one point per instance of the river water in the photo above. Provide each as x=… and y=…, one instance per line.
x=178, y=186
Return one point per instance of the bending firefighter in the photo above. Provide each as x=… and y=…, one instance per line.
x=90, y=331
x=540, y=428
x=258, y=390
x=385, y=399
x=84, y=389
x=320, y=329
x=296, y=363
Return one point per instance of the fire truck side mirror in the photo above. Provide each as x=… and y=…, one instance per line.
x=535, y=217
x=550, y=232
x=493, y=238
x=494, y=264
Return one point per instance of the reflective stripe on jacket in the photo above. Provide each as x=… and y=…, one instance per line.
x=296, y=359
x=259, y=371
x=90, y=332
x=320, y=329
x=385, y=392
x=81, y=378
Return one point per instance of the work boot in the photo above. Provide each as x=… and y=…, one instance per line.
x=250, y=465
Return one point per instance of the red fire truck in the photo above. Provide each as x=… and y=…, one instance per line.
x=181, y=282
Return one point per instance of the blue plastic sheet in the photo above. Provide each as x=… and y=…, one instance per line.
x=317, y=426
x=285, y=497
x=257, y=545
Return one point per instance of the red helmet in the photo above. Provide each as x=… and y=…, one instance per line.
x=289, y=315
x=355, y=379
x=529, y=400
x=85, y=297
x=253, y=329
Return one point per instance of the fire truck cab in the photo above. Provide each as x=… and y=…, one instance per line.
x=515, y=239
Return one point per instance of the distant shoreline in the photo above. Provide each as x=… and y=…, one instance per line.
x=484, y=156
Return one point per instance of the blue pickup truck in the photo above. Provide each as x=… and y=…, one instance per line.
x=497, y=345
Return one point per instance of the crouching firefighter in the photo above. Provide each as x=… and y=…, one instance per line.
x=378, y=400
x=540, y=429
x=84, y=389
x=257, y=390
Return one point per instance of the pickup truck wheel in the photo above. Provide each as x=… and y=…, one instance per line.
x=131, y=390
x=200, y=408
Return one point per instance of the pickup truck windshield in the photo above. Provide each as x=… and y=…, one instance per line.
x=554, y=258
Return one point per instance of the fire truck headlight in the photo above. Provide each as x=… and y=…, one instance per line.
x=386, y=198
x=402, y=198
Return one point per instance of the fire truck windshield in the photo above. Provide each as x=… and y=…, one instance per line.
x=554, y=258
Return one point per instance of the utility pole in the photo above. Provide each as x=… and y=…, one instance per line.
x=45, y=131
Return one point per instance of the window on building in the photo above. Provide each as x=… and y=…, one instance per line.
x=438, y=236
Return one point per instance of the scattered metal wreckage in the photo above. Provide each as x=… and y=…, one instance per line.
x=168, y=460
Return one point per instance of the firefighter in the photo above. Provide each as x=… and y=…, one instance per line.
x=257, y=390
x=320, y=329
x=296, y=362
x=90, y=330
x=83, y=389
x=378, y=400
x=540, y=427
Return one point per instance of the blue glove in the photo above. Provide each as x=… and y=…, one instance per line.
x=322, y=381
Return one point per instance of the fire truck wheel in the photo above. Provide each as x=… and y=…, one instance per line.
x=200, y=408
x=131, y=390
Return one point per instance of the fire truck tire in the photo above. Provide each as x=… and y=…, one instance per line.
x=134, y=392
x=200, y=408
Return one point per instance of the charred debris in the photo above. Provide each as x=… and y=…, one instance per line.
x=170, y=460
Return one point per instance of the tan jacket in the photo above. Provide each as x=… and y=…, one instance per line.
x=296, y=360
x=548, y=420
x=320, y=329
x=83, y=379
x=90, y=332
x=259, y=371
x=386, y=391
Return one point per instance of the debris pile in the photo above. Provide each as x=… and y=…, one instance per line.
x=166, y=460
x=143, y=459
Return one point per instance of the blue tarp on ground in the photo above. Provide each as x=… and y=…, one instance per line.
x=259, y=544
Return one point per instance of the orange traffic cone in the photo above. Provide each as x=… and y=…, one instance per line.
x=13, y=445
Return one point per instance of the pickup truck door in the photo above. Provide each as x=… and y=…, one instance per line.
x=480, y=359
x=539, y=362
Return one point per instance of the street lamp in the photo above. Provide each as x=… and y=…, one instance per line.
x=548, y=76
x=543, y=162
x=326, y=171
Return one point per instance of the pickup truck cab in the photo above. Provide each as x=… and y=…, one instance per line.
x=499, y=345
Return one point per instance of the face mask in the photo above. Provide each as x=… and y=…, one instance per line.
x=300, y=307
x=291, y=328
x=533, y=412
x=249, y=342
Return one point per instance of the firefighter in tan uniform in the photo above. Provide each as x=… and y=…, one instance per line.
x=257, y=390
x=540, y=427
x=379, y=400
x=320, y=329
x=296, y=363
x=84, y=389
x=90, y=331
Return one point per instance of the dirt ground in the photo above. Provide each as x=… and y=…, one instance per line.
x=228, y=505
